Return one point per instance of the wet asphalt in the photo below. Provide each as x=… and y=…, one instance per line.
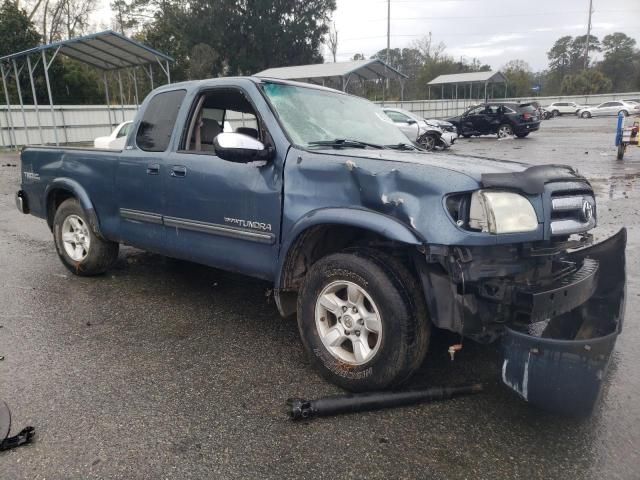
x=166, y=369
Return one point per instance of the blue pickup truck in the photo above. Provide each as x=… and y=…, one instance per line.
x=370, y=240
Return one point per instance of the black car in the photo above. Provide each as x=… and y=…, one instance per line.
x=503, y=119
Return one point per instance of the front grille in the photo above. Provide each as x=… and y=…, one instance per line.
x=572, y=212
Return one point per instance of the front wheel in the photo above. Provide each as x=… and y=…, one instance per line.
x=79, y=248
x=555, y=113
x=624, y=113
x=505, y=131
x=428, y=141
x=585, y=115
x=362, y=320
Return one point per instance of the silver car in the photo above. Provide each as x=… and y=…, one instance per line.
x=611, y=108
x=428, y=133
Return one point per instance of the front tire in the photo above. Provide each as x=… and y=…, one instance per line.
x=362, y=320
x=79, y=248
x=585, y=115
x=555, y=113
x=624, y=113
x=428, y=141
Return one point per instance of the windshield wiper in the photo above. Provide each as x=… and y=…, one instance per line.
x=344, y=143
x=402, y=146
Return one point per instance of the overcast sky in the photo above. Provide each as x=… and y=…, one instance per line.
x=495, y=31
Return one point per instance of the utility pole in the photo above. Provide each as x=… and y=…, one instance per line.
x=586, y=53
x=388, y=31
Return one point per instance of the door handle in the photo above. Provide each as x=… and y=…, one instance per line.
x=178, y=171
x=153, y=169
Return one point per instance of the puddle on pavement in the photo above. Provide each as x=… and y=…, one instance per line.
x=624, y=182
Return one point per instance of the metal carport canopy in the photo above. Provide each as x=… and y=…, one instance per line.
x=363, y=69
x=472, y=77
x=107, y=50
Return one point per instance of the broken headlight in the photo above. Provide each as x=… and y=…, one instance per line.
x=501, y=212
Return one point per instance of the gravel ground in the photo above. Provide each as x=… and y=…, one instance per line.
x=166, y=369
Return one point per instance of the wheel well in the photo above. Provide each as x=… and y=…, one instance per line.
x=54, y=200
x=320, y=241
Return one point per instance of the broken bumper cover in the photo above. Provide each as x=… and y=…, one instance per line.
x=562, y=366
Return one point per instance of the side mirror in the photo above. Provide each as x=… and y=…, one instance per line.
x=240, y=148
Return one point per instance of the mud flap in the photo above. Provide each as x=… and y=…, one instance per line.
x=562, y=368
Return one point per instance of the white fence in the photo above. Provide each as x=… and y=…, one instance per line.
x=73, y=123
x=83, y=123
x=452, y=107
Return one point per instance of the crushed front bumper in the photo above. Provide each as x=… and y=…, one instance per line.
x=557, y=309
x=562, y=366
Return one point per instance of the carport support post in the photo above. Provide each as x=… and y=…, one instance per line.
x=485, y=92
x=168, y=73
x=53, y=113
x=135, y=87
x=35, y=99
x=24, y=117
x=106, y=92
x=12, y=132
x=151, y=75
x=121, y=95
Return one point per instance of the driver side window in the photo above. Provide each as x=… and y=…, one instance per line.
x=218, y=111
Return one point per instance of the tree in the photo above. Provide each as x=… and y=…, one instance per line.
x=587, y=82
x=332, y=41
x=578, y=51
x=17, y=32
x=620, y=61
x=519, y=78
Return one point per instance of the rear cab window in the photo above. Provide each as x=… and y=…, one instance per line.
x=158, y=121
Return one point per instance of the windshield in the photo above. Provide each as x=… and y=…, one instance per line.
x=310, y=115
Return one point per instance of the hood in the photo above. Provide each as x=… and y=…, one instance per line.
x=469, y=165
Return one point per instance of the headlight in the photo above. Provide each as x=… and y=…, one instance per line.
x=501, y=212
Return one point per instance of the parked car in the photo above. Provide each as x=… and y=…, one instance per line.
x=116, y=140
x=611, y=108
x=426, y=133
x=503, y=119
x=564, y=108
x=369, y=240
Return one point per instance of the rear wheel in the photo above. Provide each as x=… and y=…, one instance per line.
x=79, y=248
x=362, y=320
x=624, y=113
x=585, y=115
x=621, y=149
x=505, y=130
x=555, y=113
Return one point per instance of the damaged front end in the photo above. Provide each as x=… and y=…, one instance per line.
x=558, y=309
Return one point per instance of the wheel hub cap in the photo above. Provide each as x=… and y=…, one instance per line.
x=348, y=322
x=75, y=238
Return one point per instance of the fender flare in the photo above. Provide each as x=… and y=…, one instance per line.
x=380, y=223
x=73, y=187
x=385, y=225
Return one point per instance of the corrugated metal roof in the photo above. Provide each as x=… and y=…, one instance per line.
x=106, y=50
x=491, y=77
x=365, y=69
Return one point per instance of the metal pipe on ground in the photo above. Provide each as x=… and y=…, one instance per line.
x=300, y=409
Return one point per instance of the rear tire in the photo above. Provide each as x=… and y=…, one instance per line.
x=358, y=284
x=555, y=113
x=505, y=130
x=79, y=248
x=621, y=149
x=624, y=113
